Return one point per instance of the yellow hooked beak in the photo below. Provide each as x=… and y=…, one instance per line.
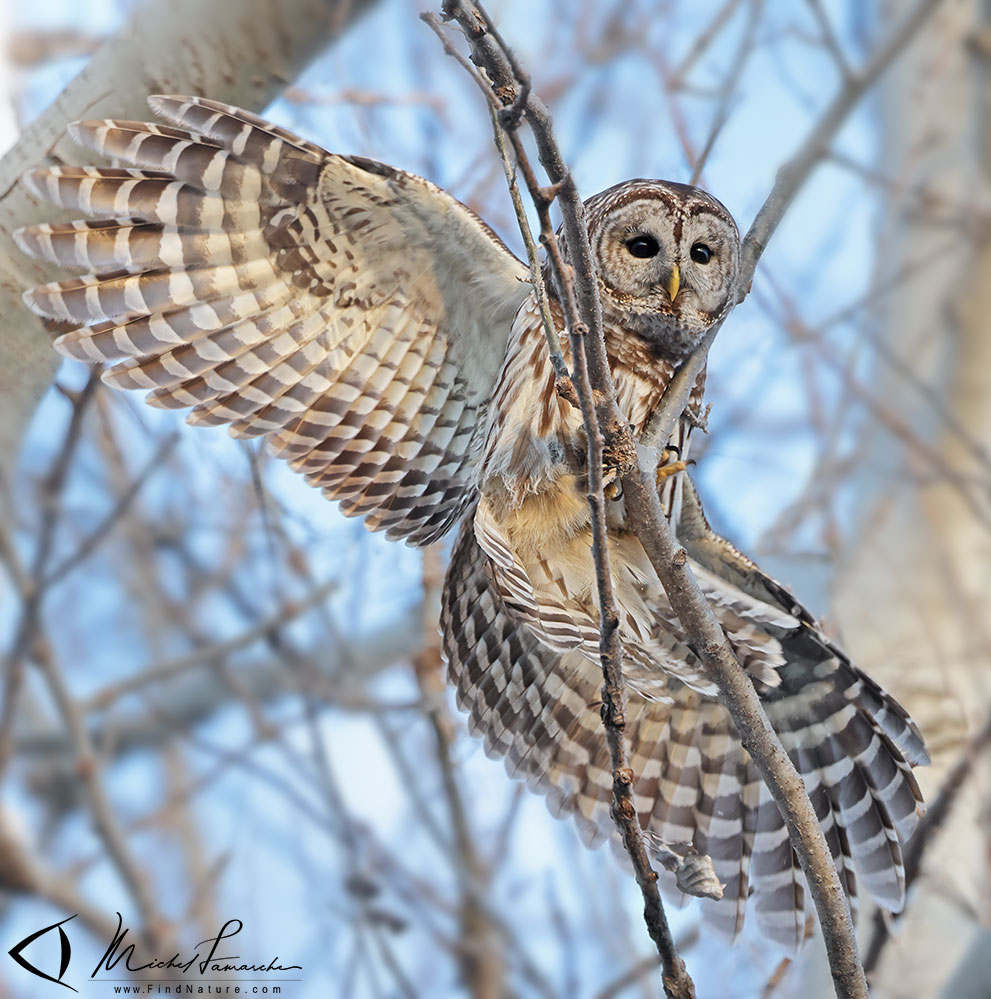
x=674, y=283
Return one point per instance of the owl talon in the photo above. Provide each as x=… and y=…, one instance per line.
x=612, y=487
x=667, y=467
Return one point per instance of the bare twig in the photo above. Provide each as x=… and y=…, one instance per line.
x=33, y=591
x=704, y=39
x=829, y=39
x=577, y=287
x=509, y=170
x=214, y=653
x=532, y=253
x=730, y=83
x=92, y=542
x=90, y=773
x=670, y=562
x=972, y=488
x=480, y=957
x=660, y=426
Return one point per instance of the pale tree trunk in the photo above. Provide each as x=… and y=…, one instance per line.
x=912, y=593
x=240, y=51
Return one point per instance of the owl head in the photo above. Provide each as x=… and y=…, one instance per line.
x=667, y=257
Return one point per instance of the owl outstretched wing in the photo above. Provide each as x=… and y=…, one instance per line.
x=355, y=313
x=695, y=784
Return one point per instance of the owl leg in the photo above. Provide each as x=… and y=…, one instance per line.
x=612, y=488
x=617, y=458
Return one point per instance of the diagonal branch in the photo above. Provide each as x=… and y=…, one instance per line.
x=706, y=637
x=579, y=299
x=793, y=174
x=578, y=291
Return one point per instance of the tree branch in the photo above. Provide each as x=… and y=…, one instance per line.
x=578, y=291
x=579, y=300
x=736, y=691
x=794, y=173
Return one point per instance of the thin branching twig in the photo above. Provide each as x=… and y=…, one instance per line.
x=579, y=301
x=794, y=174
x=591, y=383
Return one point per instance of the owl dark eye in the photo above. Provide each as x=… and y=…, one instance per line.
x=701, y=253
x=643, y=246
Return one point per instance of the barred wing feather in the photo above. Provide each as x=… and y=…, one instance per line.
x=356, y=314
x=695, y=784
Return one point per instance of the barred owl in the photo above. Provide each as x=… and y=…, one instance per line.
x=388, y=345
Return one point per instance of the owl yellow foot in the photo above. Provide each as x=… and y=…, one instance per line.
x=619, y=455
x=612, y=488
x=667, y=467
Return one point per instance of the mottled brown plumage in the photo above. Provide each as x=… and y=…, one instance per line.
x=389, y=346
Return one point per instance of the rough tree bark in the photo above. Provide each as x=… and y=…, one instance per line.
x=241, y=51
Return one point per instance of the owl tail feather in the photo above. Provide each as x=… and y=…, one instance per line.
x=695, y=783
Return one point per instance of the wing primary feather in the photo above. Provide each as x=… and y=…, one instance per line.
x=245, y=272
